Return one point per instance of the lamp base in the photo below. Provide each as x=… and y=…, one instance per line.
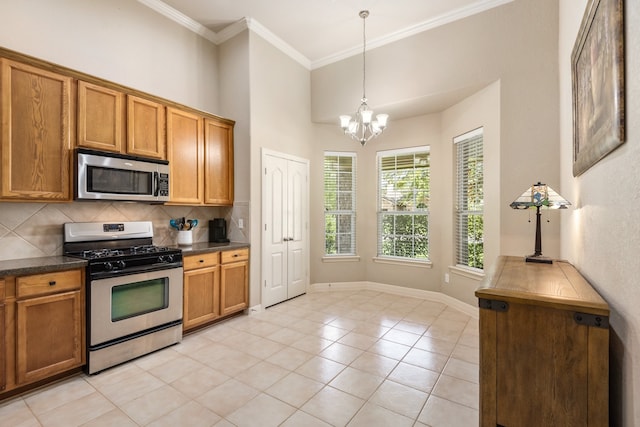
x=539, y=259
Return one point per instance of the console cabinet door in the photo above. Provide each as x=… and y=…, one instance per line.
x=35, y=134
x=49, y=335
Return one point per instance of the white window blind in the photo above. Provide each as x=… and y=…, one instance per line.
x=403, y=203
x=469, y=233
x=339, y=203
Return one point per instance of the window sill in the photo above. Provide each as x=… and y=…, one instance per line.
x=412, y=263
x=469, y=273
x=341, y=258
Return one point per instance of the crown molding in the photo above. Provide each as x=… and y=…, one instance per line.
x=180, y=18
x=250, y=23
x=438, y=21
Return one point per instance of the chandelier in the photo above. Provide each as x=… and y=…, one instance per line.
x=362, y=128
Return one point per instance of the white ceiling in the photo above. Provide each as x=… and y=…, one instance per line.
x=318, y=32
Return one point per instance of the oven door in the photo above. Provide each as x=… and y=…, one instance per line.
x=129, y=304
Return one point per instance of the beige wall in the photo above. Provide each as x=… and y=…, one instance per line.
x=121, y=41
x=600, y=234
x=515, y=44
x=479, y=110
x=280, y=111
x=126, y=43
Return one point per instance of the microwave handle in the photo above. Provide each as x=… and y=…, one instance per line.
x=156, y=184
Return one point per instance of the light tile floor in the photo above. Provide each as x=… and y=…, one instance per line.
x=356, y=358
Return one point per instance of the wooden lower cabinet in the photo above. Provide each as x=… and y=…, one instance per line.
x=42, y=322
x=3, y=365
x=544, y=347
x=215, y=286
x=234, y=288
x=48, y=336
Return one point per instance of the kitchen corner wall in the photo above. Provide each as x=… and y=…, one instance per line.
x=29, y=230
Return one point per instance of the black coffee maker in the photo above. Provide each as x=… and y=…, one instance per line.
x=218, y=231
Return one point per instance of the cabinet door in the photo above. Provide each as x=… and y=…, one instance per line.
x=100, y=117
x=49, y=336
x=146, y=121
x=35, y=138
x=185, y=155
x=201, y=296
x=234, y=285
x=218, y=151
x=3, y=374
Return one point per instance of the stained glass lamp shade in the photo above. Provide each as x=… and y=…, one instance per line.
x=539, y=196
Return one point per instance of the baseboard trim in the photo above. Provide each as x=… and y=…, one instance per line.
x=397, y=290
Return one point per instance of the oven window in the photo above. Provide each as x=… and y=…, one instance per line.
x=118, y=181
x=134, y=299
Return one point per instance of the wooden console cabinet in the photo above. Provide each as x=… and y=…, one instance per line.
x=544, y=347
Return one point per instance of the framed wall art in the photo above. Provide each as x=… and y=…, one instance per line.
x=597, y=69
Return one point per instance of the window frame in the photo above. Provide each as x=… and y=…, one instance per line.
x=465, y=142
x=380, y=213
x=352, y=212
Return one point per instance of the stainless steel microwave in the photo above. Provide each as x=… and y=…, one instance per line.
x=110, y=176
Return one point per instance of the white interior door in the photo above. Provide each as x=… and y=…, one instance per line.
x=285, y=242
x=296, y=221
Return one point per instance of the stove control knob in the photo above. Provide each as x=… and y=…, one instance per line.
x=169, y=258
x=120, y=265
x=108, y=266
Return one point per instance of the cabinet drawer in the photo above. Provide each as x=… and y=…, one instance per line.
x=237, y=255
x=191, y=262
x=40, y=284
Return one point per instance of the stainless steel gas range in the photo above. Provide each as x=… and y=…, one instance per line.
x=134, y=290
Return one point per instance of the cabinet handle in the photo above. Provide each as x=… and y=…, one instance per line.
x=52, y=283
x=201, y=260
x=236, y=255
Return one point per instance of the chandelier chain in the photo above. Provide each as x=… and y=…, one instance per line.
x=364, y=51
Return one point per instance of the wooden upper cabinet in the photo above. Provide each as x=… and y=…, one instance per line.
x=218, y=149
x=146, y=121
x=100, y=118
x=35, y=135
x=185, y=152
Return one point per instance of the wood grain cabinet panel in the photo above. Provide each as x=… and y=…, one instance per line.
x=3, y=346
x=234, y=287
x=146, y=125
x=185, y=151
x=201, y=296
x=218, y=148
x=101, y=118
x=544, y=347
x=35, y=135
x=49, y=336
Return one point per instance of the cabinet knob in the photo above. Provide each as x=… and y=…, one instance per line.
x=201, y=260
x=52, y=283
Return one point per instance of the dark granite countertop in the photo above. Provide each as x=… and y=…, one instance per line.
x=20, y=267
x=25, y=266
x=200, y=248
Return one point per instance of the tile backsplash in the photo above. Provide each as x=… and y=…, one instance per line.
x=30, y=230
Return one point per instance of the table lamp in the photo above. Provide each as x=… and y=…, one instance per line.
x=539, y=196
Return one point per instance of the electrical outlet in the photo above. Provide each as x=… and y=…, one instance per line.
x=446, y=277
x=240, y=223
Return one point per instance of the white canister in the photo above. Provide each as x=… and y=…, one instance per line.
x=185, y=237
